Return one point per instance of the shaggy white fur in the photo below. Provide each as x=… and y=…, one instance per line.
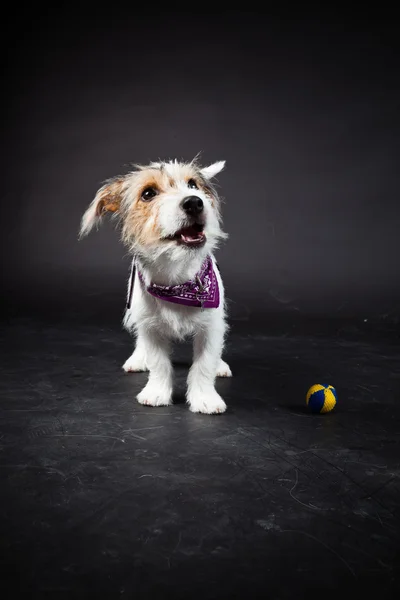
x=169, y=244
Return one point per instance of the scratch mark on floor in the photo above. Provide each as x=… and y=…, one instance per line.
x=312, y=537
x=178, y=543
x=88, y=435
x=299, y=501
x=362, y=387
x=144, y=428
x=357, y=462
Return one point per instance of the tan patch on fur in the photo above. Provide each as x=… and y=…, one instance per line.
x=203, y=185
x=141, y=222
x=138, y=224
x=207, y=192
x=110, y=197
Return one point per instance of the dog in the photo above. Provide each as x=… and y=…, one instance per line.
x=170, y=216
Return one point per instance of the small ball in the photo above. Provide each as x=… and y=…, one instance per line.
x=321, y=399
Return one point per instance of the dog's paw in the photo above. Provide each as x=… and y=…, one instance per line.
x=209, y=403
x=152, y=395
x=223, y=369
x=135, y=364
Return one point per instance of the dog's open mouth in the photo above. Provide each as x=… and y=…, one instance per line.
x=190, y=236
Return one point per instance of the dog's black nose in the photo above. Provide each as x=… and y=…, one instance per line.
x=193, y=205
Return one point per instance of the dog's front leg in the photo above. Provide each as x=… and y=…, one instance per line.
x=137, y=361
x=201, y=395
x=158, y=390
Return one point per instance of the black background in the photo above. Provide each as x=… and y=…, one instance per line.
x=304, y=110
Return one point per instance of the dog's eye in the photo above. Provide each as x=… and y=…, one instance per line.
x=192, y=184
x=148, y=194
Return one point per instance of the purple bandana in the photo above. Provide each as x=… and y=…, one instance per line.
x=200, y=292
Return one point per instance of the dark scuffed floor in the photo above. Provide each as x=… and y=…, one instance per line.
x=104, y=498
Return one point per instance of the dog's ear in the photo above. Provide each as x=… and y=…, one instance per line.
x=213, y=170
x=107, y=199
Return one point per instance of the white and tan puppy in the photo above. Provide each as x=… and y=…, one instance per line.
x=170, y=218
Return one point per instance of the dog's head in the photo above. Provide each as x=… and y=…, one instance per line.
x=165, y=208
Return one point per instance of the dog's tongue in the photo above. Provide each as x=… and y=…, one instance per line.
x=190, y=235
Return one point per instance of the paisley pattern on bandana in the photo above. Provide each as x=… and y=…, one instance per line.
x=201, y=292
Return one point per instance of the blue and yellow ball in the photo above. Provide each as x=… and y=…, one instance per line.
x=321, y=399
